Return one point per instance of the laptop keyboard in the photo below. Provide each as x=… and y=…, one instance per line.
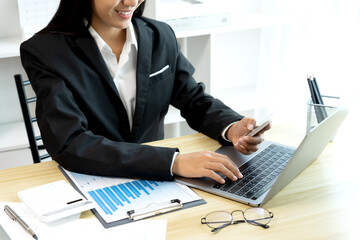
x=259, y=173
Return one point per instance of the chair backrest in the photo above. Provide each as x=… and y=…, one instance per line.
x=35, y=142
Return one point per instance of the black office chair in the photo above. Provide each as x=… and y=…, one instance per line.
x=38, y=151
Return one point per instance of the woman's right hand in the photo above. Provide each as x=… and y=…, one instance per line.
x=205, y=164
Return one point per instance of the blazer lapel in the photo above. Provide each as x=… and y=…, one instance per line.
x=88, y=46
x=144, y=39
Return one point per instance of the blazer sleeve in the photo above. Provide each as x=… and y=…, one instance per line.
x=64, y=129
x=202, y=112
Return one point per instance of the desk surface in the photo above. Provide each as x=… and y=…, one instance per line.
x=321, y=203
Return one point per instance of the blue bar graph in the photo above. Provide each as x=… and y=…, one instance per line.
x=119, y=194
x=126, y=191
x=140, y=187
x=154, y=183
x=106, y=199
x=113, y=197
x=133, y=189
x=99, y=202
x=110, y=199
x=146, y=184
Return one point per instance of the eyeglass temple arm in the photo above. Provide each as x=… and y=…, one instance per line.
x=220, y=227
x=227, y=224
x=260, y=224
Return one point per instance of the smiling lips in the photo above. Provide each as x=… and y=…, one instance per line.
x=124, y=14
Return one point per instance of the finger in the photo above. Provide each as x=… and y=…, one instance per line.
x=219, y=167
x=250, y=126
x=255, y=140
x=243, y=150
x=248, y=145
x=266, y=128
x=228, y=163
x=240, y=146
x=223, y=157
x=213, y=175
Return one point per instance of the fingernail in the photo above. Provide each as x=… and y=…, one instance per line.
x=239, y=174
x=250, y=126
x=234, y=178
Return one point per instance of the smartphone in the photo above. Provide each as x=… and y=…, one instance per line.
x=258, y=128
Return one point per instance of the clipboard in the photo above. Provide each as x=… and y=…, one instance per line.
x=153, y=209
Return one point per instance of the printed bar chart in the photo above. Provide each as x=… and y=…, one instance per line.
x=114, y=197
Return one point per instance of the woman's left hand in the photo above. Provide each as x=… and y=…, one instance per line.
x=245, y=144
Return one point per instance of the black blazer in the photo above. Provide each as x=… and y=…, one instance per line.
x=81, y=117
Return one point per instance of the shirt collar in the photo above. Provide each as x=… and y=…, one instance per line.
x=130, y=37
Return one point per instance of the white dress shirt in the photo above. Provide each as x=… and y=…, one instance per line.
x=124, y=70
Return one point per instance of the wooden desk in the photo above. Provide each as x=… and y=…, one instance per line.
x=321, y=203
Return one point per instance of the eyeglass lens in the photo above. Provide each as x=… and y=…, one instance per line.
x=218, y=219
x=257, y=216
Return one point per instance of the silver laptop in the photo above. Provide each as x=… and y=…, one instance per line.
x=272, y=167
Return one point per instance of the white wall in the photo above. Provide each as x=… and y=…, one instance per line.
x=9, y=102
x=9, y=18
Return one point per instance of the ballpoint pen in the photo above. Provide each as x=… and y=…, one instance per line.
x=12, y=214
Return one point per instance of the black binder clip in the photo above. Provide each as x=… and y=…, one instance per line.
x=154, y=209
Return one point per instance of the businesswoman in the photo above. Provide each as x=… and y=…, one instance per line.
x=104, y=77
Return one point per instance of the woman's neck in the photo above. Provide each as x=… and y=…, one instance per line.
x=113, y=37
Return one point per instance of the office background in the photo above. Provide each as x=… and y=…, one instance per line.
x=256, y=64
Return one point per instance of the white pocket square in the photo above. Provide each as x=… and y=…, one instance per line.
x=160, y=71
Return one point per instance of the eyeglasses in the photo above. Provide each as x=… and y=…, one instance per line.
x=255, y=216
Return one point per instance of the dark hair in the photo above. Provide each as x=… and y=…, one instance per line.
x=71, y=13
